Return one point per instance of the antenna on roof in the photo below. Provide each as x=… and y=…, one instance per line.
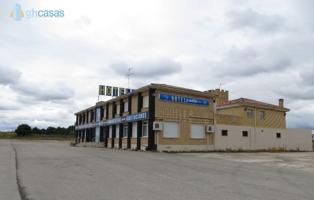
x=220, y=84
x=129, y=74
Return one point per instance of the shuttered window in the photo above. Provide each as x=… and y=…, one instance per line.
x=197, y=131
x=171, y=129
x=134, y=130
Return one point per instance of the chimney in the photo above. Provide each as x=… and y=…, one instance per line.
x=280, y=103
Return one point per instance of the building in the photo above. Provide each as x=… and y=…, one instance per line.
x=168, y=118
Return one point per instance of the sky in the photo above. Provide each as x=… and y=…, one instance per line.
x=50, y=68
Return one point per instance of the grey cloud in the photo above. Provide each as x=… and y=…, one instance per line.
x=8, y=107
x=8, y=75
x=300, y=120
x=307, y=76
x=44, y=91
x=251, y=19
x=149, y=68
x=247, y=62
x=297, y=92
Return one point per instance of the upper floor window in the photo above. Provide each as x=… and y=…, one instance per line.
x=126, y=106
x=118, y=109
x=249, y=113
x=145, y=101
x=104, y=113
x=262, y=115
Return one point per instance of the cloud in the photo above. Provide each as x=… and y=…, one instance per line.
x=249, y=61
x=83, y=21
x=250, y=19
x=148, y=68
x=307, y=75
x=8, y=107
x=297, y=92
x=8, y=75
x=255, y=49
x=43, y=91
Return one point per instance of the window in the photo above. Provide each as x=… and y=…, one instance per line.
x=171, y=129
x=145, y=101
x=125, y=130
x=134, y=130
x=145, y=129
x=118, y=109
x=262, y=115
x=249, y=113
x=110, y=132
x=245, y=133
x=197, y=131
x=278, y=135
x=224, y=132
x=126, y=106
x=117, y=130
x=104, y=114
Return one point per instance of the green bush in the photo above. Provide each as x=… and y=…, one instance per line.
x=23, y=130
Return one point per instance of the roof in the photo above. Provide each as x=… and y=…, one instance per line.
x=250, y=102
x=165, y=87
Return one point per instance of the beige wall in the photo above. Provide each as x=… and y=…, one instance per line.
x=273, y=119
x=262, y=139
x=184, y=115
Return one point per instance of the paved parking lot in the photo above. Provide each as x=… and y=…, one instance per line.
x=54, y=170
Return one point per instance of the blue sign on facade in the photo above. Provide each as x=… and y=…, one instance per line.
x=182, y=99
x=129, y=118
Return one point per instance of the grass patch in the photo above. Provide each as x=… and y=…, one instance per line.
x=36, y=137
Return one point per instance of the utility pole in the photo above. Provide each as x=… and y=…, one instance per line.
x=129, y=74
x=220, y=85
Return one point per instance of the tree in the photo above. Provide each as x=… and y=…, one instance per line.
x=71, y=130
x=36, y=131
x=51, y=130
x=23, y=130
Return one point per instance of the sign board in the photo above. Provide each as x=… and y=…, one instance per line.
x=130, y=118
x=108, y=90
x=183, y=99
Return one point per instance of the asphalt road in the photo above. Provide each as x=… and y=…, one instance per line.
x=53, y=170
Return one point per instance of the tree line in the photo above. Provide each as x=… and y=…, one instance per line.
x=25, y=129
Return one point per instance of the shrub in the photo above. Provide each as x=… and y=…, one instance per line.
x=23, y=130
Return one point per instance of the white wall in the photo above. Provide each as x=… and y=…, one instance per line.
x=262, y=139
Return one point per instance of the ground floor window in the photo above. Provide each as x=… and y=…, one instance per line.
x=117, y=130
x=245, y=133
x=224, y=132
x=110, y=132
x=125, y=130
x=145, y=129
x=134, y=130
x=278, y=135
x=197, y=131
x=171, y=129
